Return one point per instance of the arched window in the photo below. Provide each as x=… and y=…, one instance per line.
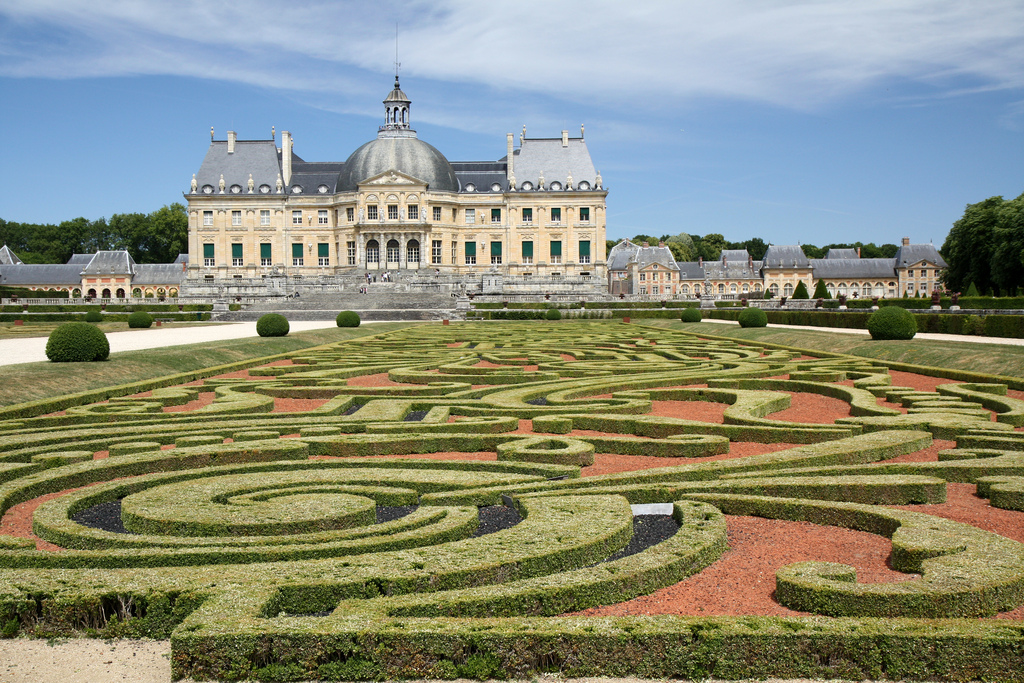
x=841, y=289
x=373, y=251
x=106, y=293
x=412, y=251
x=120, y=293
x=746, y=288
x=788, y=289
x=774, y=289
x=137, y=292
x=685, y=289
x=757, y=287
x=393, y=251
x=732, y=289
x=879, y=289
x=721, y=289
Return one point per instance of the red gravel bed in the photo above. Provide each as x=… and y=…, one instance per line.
x=205, y=398
x=297, y=405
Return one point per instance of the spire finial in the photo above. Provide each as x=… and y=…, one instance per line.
x=398, y=64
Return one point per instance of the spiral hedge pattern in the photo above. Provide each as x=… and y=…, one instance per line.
x=250, y=534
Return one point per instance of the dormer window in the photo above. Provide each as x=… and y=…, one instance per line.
x=322, y=189
x=296, y=189
x=207, y=189
x=236, y=189
x=470, y=187
x=496, y=187
x=556, y=185
x=264, y=189
x=583, y=185
x=527, y=186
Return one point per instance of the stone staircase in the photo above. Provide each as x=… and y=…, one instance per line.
x=382, y=303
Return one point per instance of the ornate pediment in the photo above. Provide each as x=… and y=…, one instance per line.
x=393, y=178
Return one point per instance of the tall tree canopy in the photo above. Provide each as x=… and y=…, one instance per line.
x=986, y=247
x=157, y=237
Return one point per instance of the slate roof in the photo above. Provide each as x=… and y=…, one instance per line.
x=835, y=253
x=909, y=254
x=785, y=256
x=690, y=270
x=31, y=274
x=80, y=259
x=110, y=263
x=620, y=255
x=258, y=157
x=547, y=157
x=625, y=253
x=182, y=258
x=158, y=274
x=732, y=270
x=310, y=175
x=482, y=175
x=8, y=257
x=853, y=268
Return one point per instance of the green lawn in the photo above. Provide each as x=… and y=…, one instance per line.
x=33, y=381
x=994, y=359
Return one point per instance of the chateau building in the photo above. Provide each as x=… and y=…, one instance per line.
x=916, y=270
x=397, y=204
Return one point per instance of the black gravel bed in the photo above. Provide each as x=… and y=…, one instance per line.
x=648, y=530
x=415, y=416
x=389, y=513
x=105, y=516
x=538, y=401
x=496, y=518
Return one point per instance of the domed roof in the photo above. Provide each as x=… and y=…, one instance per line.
x=404, y=154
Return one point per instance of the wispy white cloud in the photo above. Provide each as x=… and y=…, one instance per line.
x=645, y=55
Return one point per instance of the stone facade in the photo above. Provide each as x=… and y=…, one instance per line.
x=397, y=205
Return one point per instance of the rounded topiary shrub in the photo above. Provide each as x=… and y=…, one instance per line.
x=140, y=320
x=553, y=314
x=753, y=317
x=93, y=315
x=77, y=343
x=691, y=315
x=892, y=322
x=347, y=319
x=272, y=325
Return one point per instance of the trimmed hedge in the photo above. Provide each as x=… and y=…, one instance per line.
x=140, y=320
x=752, y=317
x=892, y=322
x=347, y=319
x=691, y=315
x=272, y=325
x=77, y=343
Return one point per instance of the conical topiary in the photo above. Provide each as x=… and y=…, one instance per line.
x=801, y=291
x=820, y=291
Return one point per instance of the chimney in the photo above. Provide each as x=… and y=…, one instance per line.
x=286, y=156
x=750, y=262
x=646, y=244
x=660, y=243
x=906, y=241
x=700, y=261
x=510, y=173
x=858, y=252
x=565, y=138
x=231, y=141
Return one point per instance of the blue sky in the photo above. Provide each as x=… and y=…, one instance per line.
x=813, y=122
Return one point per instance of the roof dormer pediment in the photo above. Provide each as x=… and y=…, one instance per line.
x=393, y=178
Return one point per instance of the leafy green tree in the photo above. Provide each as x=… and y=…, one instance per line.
x=711, y=246
x=986, y=246
x=811, y=251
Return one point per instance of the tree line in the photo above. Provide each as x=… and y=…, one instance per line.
x=690, y=247
x=156, y=237
x=985, y=248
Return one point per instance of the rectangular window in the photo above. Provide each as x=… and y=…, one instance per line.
x=556, y=214
x=495, y=253
x=528, y=252
x=495, y=215
x=207, y=218
x=392, y=212
x=643, y=290
x=236, y=218
x=296, y=218
x=297, y=254
x=350, y=214
x=323, y=254
x=414, y=212
x=350, y=247
x=654, y=289
x=437, y=213
x=455, y=252
x=584, y=251
x=371, y=212
x=470, y=253
x=236, y=255
x=435, y=252
x=208, y=258
x=910, y=273
x=264, y=216
x=470, y=216
x=643, y=277
x=266, y=254
x=584, y=214
x=321, y=217
x=527, y=215
x=556, y=251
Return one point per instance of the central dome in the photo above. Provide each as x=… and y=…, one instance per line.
x=402, y=153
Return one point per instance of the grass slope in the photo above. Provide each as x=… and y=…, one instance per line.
x=34, y=381
x=995, y=359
